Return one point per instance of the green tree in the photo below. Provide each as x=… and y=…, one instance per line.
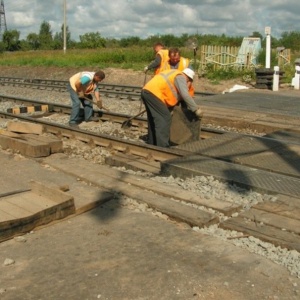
x=58, y=40
x=92, y=40
x=11, y=40
x=170, y=40
x=130, y=41
x=2, y=47
x=33, y=40
x=291, y=40
x=45, y=36
x=256, y=34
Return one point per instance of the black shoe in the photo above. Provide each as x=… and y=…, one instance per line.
x=73, y=125
x=93, y=119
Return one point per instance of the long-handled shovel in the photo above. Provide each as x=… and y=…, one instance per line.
x=128, y=123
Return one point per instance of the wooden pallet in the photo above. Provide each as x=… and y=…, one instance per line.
x=22, y=211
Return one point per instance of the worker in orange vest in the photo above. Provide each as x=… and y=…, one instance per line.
x=176, y=61
x=160, y=95
x=161, y=58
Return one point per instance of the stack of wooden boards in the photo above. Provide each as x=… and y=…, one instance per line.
x=29, y=139
x=22, y=211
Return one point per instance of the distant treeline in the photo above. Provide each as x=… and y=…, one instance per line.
x=46, y=40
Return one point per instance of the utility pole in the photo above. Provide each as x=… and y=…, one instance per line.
x=3, y=26
x=268, y=47
x=65, y=26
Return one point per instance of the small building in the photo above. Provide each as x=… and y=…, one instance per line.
x=248, y=52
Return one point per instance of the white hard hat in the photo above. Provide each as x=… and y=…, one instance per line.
x=189, y=73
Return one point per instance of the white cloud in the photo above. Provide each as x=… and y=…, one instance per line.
x=124, y=18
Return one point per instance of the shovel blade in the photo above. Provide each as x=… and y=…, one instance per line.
x=126, y=124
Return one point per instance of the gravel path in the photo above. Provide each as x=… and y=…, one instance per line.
x=206, y=187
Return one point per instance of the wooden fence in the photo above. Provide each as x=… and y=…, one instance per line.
x=284, y=57
x=225, y=56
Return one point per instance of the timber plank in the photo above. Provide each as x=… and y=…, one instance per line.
x=4, y=213
x=280, y=208
x=108, y=176
x=272, y=219
x=27, y=148
x=12, y=134
x=31, y=202
x=24, y=211
x=25, y=127
x=56, y=145
x=265, y=233
x=173, y=209
x=289, y=200
x=133, y=163
x=15, y=210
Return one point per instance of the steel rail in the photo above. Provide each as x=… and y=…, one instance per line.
x=122, y=91
x=140, y=149
x=103, y=115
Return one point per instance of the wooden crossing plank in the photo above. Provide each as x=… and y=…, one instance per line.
x=23, y=211
x=110, y=176
x=15, y=210
x=271, y=219
x=133, y=163
x=31, y=201
x=288, y=210
x=265, y=233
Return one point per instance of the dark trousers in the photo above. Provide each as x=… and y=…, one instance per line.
x=159, y=120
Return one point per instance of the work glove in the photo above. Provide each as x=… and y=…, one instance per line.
x=145, y=69
x=199, y=113
x=99, y=104
x=80, y=94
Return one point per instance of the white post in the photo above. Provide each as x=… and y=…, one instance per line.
x=65, y=26
x=268, y=47
x=297, y=78
x=276, y=79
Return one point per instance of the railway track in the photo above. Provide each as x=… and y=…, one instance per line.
x=273, y=219
x=130, y=147
x=108, y=90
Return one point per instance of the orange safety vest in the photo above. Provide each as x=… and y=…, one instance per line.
x=182, y=64
x=163, y=87
x=164, y=54
x=192, y=90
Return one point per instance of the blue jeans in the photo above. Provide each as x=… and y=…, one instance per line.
x=75, y=117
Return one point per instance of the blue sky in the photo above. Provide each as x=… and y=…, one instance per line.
x=143, y=18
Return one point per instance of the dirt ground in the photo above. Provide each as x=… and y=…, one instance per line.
x=113, y=76
x=117, y=253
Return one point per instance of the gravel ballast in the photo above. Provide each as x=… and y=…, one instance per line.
x=206, y=187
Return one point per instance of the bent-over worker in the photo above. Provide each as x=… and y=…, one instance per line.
x=160, y=95
x=82, y=86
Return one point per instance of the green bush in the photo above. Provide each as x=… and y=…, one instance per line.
x=246, y=75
